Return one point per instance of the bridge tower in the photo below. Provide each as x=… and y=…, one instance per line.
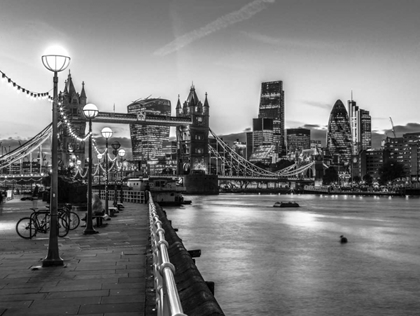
x=193, y=152
x=72, y=104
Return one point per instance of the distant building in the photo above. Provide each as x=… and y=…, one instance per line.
x=406, y=150
x=272, y=106
x=316, y=143
x=146, y=140
x=264, y=154
x=339, y=140
x=370, y=162
x=361, y=130
x=298, y=139
x=262, y=136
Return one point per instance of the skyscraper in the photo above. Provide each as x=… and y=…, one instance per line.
x=146, y=140
x=272, y=106
x=339, y=140
x=360, y=124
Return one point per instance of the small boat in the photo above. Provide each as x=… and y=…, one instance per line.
x=286, y=204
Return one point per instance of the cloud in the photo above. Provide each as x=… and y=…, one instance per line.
x=295, y=43
x=323, y=106
x=244, y=13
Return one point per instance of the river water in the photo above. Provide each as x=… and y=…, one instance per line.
x=277, y=261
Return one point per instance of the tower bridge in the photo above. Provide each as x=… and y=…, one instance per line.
x=145, y=119
x=199, y=150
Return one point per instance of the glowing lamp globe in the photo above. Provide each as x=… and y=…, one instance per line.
x=90, y=110
x=56, y=59
x=106, y=132
x=121, y=152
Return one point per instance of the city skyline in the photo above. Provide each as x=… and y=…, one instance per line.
x=125, y=51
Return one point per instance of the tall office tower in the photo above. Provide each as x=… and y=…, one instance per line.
x=360, y=124
x=146, y=140
x=272, y=106
x=69, y=149
x=339, y=141
x=365, y=129
x=298, y=139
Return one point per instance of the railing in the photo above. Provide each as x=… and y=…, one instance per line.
x=129, y=196
x=167, y=299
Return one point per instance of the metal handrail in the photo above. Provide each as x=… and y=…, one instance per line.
x=167, y=298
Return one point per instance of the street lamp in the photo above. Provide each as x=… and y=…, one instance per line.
x=99, y=176
x=115, y=145
x=107, y=133
x=54, y=63
x=91, y=111
x=121, y=153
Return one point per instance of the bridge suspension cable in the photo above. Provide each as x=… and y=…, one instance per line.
x=235, y=161
x=26, y=148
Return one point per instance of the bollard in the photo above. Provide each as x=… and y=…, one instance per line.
x=210, y=284
x=196, y=253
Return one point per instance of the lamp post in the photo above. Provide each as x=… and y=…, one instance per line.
x=115, y=145
x=107, y=133
x=91, y=111
x=99, y=176
x=54, y=63
x=121, y=153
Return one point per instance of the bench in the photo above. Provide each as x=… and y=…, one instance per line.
x=120, y=206
x=112, y=210
x=99, y=220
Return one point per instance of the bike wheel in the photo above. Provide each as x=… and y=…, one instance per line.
x=74, y=220
x=63, y=227
x=26, y=228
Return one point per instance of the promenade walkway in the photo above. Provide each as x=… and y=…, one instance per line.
x=103, y=274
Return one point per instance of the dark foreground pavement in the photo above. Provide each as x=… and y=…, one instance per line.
x=103, y=274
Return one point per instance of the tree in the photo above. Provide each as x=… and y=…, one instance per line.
x=390, y=171
x=357, y=179
x=368, y=179
x=330, y=175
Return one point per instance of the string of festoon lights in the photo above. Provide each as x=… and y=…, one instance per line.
x=96, y=172
x=30, y=94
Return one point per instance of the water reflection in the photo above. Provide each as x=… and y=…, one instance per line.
x=271, y=261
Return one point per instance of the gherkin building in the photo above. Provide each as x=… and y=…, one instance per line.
x=339, y=140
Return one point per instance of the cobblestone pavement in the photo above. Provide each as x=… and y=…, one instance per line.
x=103, y=274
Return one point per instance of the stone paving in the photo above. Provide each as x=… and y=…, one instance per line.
x=103, y=274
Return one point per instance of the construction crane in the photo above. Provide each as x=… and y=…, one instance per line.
x=393, y=130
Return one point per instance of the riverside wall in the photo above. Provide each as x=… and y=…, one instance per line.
x=196, y=295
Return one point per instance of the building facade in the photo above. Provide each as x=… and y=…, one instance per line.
x=147, y=140
x=272, y=107
x=370, y=162
x=406, y=150
x=361, y=128
x=298, y=139
x=339, y=140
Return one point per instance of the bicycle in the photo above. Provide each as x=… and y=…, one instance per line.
x=39, y=222
x=72, y=218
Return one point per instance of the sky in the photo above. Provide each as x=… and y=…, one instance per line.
x=322, y=50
